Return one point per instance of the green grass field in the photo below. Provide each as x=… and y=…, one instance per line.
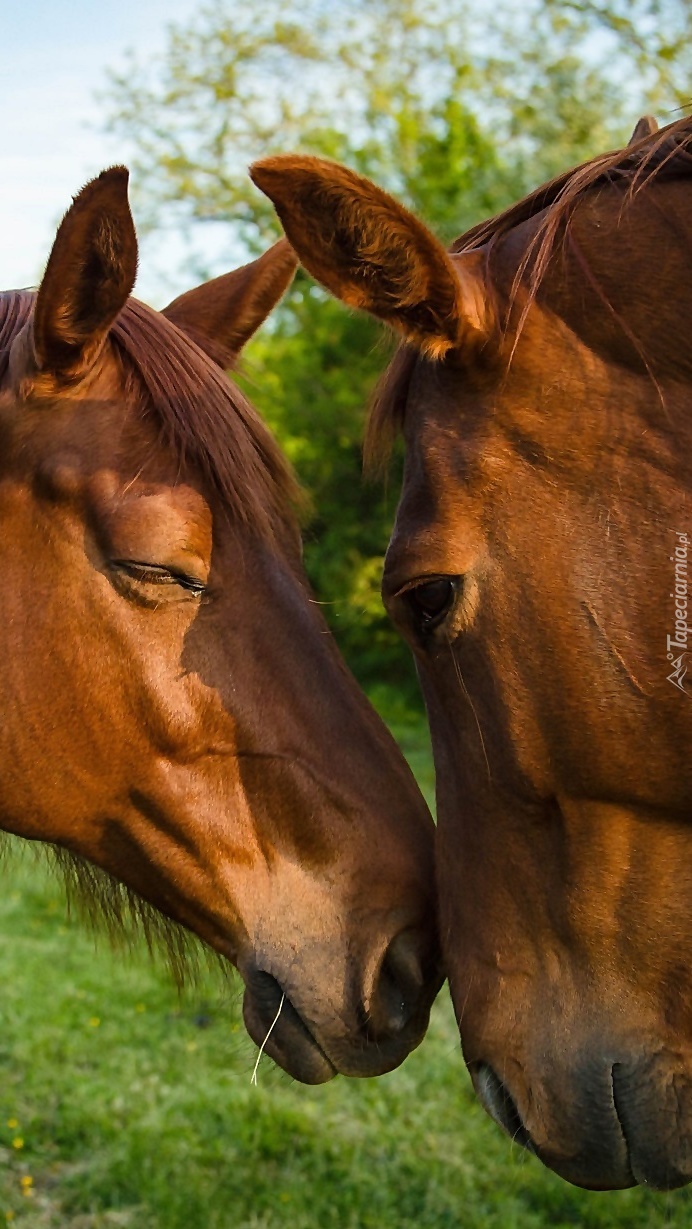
x=125, y=1105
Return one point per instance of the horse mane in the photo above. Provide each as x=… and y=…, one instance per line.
x=106, y=904
x=202, y=416
x=664, y=154
x=207, y=422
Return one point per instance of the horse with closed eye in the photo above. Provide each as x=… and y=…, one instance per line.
x=175, y=712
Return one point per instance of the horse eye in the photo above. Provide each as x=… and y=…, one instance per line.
x=432, y=600
x=155, y=574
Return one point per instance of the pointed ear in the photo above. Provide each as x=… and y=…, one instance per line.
x=644, y=127
x=90, y=273
x=229, y=309
x=373, y=254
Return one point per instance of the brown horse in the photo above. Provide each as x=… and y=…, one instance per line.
x=174, y=710
x=540, y=568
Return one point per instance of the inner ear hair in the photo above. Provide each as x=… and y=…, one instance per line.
x=370, y=251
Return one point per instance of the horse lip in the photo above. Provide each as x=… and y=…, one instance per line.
x=499, y=1104
x=648, y=1167
x=287, y=1039
x=299, y=1053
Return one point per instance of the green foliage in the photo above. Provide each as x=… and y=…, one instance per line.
x=440, y=102
x=651, y=39
x=295, y=375
x=457, y=108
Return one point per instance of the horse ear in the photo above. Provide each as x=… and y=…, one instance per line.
x=229, y=309
x=90, y=273
x=646, y=126
x=373, y=254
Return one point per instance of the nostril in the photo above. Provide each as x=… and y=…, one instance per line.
x=397, y=992
x=404, y=962
x=266, y=992
x=496, y=1099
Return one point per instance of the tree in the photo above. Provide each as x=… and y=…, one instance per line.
x=651, y=41
x=455, y=108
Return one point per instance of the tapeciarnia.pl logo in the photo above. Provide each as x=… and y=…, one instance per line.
x=677, y=645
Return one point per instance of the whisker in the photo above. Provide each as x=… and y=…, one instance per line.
x=457, y=671
x=253, y=1079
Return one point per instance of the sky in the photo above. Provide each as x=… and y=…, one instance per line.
x=55, y=54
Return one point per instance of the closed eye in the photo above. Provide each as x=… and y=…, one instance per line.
x=156, y=574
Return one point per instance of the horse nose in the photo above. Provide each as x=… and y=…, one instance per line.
x=612, y=1123
x=654, y=1108
x=401, y=984
x=276, y=1026
x=567, y=1118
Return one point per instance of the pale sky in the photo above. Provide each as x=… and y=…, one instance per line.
x=54, y=57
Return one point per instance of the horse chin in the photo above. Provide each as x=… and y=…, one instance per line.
x=286, y=1039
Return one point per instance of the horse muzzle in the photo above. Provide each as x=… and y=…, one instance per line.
x=614, y=1119
x=276, y=1027
x=369, y=1033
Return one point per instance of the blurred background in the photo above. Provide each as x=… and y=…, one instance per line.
x=123, y=1103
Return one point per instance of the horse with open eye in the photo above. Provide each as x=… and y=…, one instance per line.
x=540, y=567
x=174, y=710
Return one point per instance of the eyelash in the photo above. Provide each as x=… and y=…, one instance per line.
x=155, y=574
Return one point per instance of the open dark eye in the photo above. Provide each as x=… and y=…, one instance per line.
x=431, y=600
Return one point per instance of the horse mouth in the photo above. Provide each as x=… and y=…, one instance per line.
x=625, y=1137
x=276, y=1027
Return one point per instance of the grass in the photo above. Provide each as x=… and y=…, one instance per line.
x=124, y=1106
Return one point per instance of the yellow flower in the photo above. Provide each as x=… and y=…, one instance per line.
x=94, y=1022
x=17, y=1142
x=12, y=1124
x=9, y=1216
x=26, y=1181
